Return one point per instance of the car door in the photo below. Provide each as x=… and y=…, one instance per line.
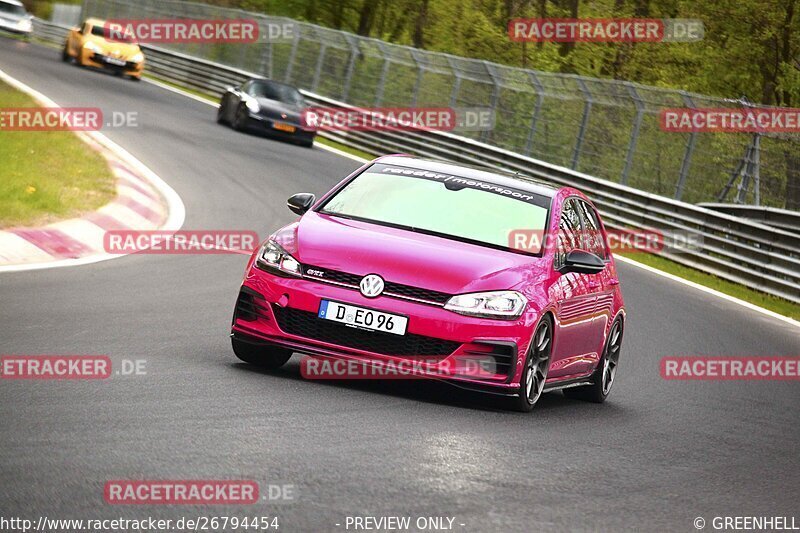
x=574, y=350
x=602, y=283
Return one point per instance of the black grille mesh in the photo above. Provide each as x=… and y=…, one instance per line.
x=308, y=325
x=250, y=306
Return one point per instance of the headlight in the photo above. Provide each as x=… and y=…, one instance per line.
x=93, y=47
x=273, y=257
x=252, y=105
x=138, y=58
x=25, y=25
x=498, y=304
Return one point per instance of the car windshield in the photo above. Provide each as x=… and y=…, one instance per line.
x=277, y=91
x=112, y=33
x=463, y=209
x=12, y=9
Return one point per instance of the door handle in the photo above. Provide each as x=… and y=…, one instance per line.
x=613, y=281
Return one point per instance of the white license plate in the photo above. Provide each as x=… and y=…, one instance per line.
x=113, y=61
x=360, y=317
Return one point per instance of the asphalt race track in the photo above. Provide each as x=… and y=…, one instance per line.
x=655, y=456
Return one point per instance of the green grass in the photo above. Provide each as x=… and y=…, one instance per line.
x=773, y=303
x=344, y=148
x=47, y=175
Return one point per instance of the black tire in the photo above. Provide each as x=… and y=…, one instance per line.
x=307, y=143
x=537, y=365
x=261, y=356
x=221, y=113
x=65, y=55
x=135, y=78
x=603, y=377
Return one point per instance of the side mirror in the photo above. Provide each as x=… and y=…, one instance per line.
x=301, y=202
x=582, y=262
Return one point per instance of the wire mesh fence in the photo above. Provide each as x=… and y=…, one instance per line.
x=606, y=128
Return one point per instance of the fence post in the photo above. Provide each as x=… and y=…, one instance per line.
x=587, y=109
x=288, y=76
x=536, y=110
x=384, y=72
x=757, y=170
x=749, y=169
x=687, y=156
x=351, y=64
x=420, y=69
x=84, y=9
x=495, y=97
x=318, y=69
x=457, y=83
x=637, y=124
x=265, y=65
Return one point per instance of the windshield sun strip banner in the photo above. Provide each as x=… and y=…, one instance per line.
x=453, y=182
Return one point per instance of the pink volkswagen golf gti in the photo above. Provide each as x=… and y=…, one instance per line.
x=448, y=267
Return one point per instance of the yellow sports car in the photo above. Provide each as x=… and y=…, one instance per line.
x=92, y=44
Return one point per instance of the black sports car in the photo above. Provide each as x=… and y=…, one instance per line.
x=267, y=107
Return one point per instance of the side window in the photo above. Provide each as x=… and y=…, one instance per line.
x=593, y=237
x=85, y=28
x=569, y=232
x=247, y=87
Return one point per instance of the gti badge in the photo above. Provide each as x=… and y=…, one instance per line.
x=371, y=285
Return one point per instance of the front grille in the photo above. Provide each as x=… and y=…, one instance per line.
x=390, y=289
x=100, y=58
x=308, y=325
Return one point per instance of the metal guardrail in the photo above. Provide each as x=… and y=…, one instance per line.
x=610, y=129
x=752, y=254
x=771, y=216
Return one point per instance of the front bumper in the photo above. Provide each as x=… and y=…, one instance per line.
x=98, y=60
x=474, y=353
x=11, y=26
x=266, y=125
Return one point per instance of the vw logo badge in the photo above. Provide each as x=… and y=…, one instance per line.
x=371, y=286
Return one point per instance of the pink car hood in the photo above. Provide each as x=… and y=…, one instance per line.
x=405, y=257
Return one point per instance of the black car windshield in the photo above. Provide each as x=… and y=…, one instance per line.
x=276, y=91
x=465, y=209
x=12, y=9
x=113, y=33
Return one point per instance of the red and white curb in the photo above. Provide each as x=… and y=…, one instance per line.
x=144, y=202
